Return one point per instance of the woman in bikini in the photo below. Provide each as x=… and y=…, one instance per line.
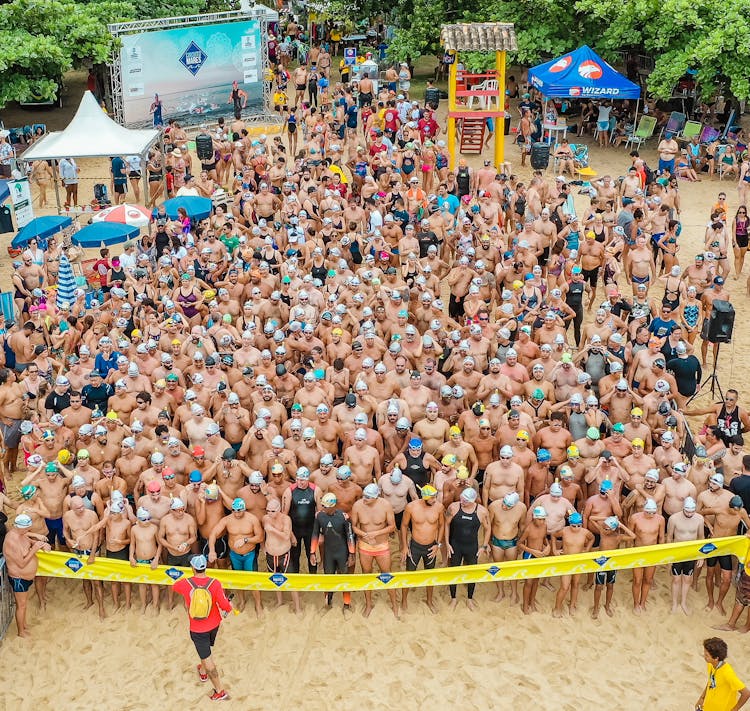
x=52, y=260
x=42, y=177
x=740, y=229
x=188, y=299
x=428, y=158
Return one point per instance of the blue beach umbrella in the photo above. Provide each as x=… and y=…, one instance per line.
x=104, y=233
x=197, y=208
x=41, y=228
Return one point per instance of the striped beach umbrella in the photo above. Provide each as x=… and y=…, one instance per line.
x=135, y=215
x=66, y=282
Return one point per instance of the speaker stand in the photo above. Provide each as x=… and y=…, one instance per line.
x=712, y=381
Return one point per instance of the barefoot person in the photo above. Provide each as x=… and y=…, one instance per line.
x=612, y=532
x=333, y=530
x=245, y=536
x=648, y=527
x=463, y=520
x=20, y=548
x=426, y=516
x=685, y=525
x=145, y=549
x=279, y=539
x=574, y=538
x=507, y=520
x=372, y=522
x=204, y=614
x=533, y=543
x=78, y=523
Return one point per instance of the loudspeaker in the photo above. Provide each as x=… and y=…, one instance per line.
x=204, y=147
x=721, y=322
x=539, y=156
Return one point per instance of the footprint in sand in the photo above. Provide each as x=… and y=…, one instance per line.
x=417, y=650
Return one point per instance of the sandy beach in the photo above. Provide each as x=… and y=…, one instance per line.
x=494, y=657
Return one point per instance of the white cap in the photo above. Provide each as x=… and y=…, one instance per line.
x=689, y=504
x=506, y=451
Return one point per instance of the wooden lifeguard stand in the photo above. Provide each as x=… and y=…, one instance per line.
x=497, y=37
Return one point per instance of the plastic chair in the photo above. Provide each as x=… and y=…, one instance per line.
x=692, y=129
x=643, y=131
x=674, y=125
x=719, y=159
x=482, y=86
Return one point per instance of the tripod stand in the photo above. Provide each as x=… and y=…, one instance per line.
x=712, y=380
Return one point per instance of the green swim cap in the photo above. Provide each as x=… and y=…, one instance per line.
x=28, y=491
x=538, y=394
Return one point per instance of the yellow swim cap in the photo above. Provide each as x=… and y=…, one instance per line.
x=454, y=430
x=590, y=235
x=637, y=442
x=176, y=342
x=449, y=460
x=636, y=412
x=63, y=456
x=428, y=491
x=209, y=294
x=522, y=434
x=462, y=472
x=517, y=284
x=112, y=415
x=573, y=451
x=136, y=333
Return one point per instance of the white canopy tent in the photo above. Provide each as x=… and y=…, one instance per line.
x=93, y=134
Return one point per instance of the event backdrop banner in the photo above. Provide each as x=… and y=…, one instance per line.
x=66, y=565
x=191, y=69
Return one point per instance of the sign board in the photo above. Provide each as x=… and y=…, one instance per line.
x=449, y=58
x=350, y=56
x=190, y=69
x=20, y=196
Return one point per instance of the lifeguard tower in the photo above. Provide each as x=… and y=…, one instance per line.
x=474, y=98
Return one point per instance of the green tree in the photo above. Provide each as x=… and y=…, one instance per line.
x=709, y=37
x=40, y=40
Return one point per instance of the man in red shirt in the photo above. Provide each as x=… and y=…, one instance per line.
x=203, y=631
x=428, y=127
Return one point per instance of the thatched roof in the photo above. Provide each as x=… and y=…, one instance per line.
x=479, y=37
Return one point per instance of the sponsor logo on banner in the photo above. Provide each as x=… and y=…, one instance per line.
x=561, y=64
x=193, y=58
x=574, y=91
x=590, y=70
x=593, y=91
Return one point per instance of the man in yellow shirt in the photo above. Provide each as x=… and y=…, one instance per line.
x=723, y=687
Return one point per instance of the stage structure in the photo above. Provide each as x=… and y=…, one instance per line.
x=183, y=67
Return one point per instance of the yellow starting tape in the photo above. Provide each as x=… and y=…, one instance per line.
x=65, y=565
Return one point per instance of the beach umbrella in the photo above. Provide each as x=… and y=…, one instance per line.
x=41, y=228
x=135, y=215
x=104, y=233
x=66, y=282
x=197, y=208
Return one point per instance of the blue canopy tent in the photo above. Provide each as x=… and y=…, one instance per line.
x=582, y=74
x=98, y=233
x=41, y=228
x=197, y=208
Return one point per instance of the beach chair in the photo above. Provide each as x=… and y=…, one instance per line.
x=691, y=130
x=709, y=134
x=643, y=131
x=674, y=125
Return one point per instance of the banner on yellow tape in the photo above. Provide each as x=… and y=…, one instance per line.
x=65, y=565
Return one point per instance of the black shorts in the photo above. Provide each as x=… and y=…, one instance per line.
x=120, y=188
x=280, y=563
x=124, y=554
x=724, y=561
x=591, y=276
x=399, y=517
x=417, y=553
x=20, y=585
x=182, y=561
x=742, y=241
x=221, y=547
x=135, y=174
x=605, y=577
x=203, y=642
x=544, y=257
x=685, y=568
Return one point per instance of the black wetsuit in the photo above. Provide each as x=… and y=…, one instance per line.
x=302, y=513
x=462, y=536
x=417, y=470
x=336, y=529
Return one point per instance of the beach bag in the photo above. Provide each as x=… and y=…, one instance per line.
x=201, y=601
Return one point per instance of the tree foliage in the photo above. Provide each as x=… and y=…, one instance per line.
x=42, y=39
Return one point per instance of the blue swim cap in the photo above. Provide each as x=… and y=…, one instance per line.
x=606, y=485
x=575, y=519
x=195, y=476
x=543, y=455
x=415, y=443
